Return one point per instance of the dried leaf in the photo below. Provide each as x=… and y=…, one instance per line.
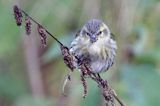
x=68, y=78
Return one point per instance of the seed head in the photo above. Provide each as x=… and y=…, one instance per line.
x=28, y=25
x=42, y=33
x=68, y=58
x=18, y=15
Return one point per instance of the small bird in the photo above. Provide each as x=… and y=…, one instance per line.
x=95, y=44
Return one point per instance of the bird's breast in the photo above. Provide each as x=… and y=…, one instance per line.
x=99, y=50
x=101, y=53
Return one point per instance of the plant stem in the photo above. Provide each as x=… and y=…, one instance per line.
x=43, y=27
x=118, y=100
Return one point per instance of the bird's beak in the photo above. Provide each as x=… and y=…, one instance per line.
x=93, y=38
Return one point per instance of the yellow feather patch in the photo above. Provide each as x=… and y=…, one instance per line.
x=104, y=53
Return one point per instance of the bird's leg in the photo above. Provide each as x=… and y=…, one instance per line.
x=99, y=76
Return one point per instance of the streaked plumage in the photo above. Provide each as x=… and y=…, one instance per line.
x=94, y=43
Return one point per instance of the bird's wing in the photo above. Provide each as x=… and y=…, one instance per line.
x=112, y=36
x=80, y=57
x=78, y=33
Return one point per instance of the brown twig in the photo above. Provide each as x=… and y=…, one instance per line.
x=118, y=100
x=41, y=25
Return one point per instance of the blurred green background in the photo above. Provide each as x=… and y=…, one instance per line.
x=31, y=75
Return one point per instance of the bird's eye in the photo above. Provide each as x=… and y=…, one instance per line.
x=100, y=32
x=87, y=34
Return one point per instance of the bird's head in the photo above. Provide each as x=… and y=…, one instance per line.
x=94, y=30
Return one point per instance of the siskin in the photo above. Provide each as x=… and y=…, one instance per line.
x=95, y=45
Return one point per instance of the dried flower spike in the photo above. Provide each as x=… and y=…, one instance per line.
x=28, y=25
x=42, y=33
x=107, y=94
x=84, y=83
x=18, y=15
x=68, y=58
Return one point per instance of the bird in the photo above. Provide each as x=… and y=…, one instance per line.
x=95, y=44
